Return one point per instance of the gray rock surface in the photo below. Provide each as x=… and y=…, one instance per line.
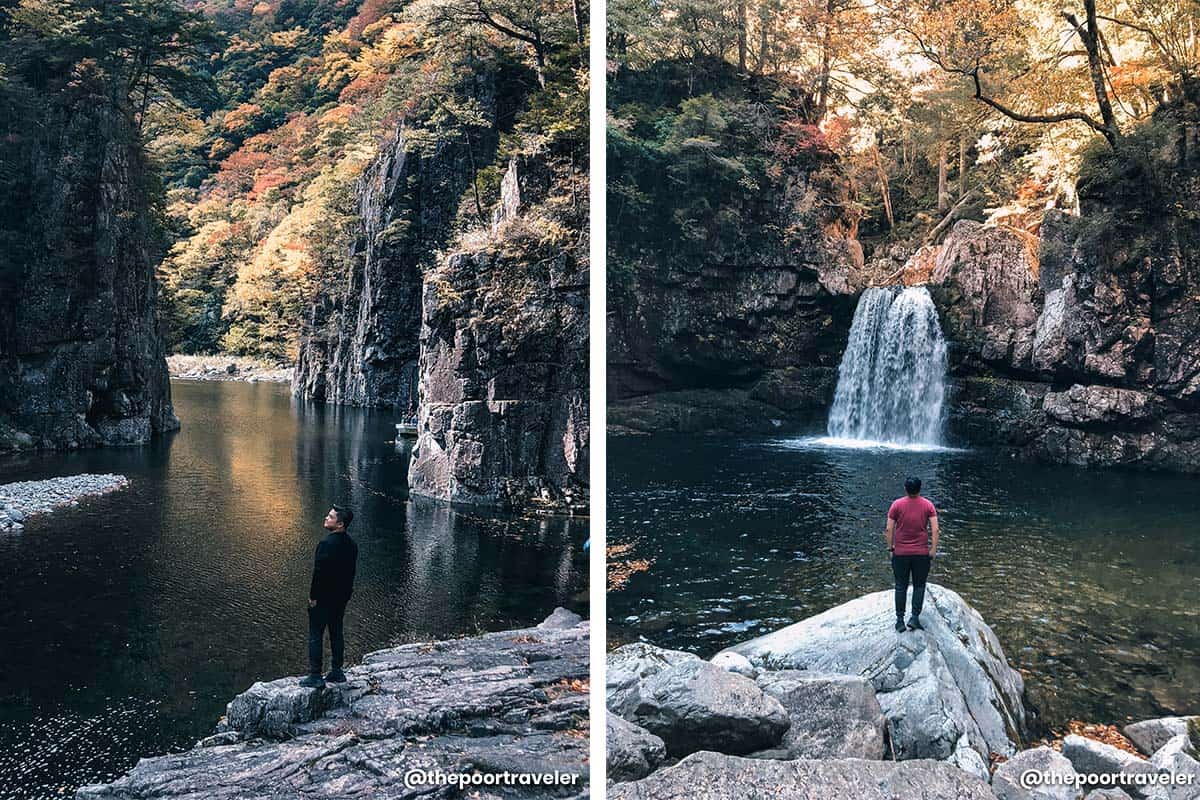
x=697, y=706
x=507, y=701
x=1107, y=794
x=1008, y=785
x=1178, y=757
x=934, y=686
x=632, y=751
x=1089, y=756
x=1151, y=734
x=832, y=716
x=713, y=776
x=735, y=662
x=628, y=666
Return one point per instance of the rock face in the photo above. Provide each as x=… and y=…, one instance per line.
x=832, y=716
x=934, y=686
x=632, y=752
x=503, y=701
x=360, y=343
x=769, y=318
x=503, y=370
x=1087, y=340
x=82, y=363
x=1007, y=783
x=714, y=776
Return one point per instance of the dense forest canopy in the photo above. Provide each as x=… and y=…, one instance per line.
x=258, y=116
x=939, y=109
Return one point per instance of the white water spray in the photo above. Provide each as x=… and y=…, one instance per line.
x=891, y=383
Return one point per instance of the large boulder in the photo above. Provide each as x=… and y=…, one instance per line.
x=934, y=686
x=1178, y=758
x=1089, y=756
x=628, y=666
x=632, y=751
x=714, y=776
x=1056, y=777
x=833, y=716
x=698, y=706
x=1151, y=734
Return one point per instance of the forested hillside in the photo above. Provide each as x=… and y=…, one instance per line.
x=261, y=185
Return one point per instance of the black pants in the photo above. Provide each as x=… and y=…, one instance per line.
x=320, y=617
x=918, y=568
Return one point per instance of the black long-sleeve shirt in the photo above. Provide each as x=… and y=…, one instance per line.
x=333, y=569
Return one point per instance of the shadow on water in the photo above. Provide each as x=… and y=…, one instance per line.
x=1089, y=578
x=129, y=622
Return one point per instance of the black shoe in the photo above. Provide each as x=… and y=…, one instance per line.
x=914, y=624
x=900, y=625
x=336, y=676
x=312, y=682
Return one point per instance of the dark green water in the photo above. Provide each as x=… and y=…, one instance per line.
x=129, y=622
x=1090, y=578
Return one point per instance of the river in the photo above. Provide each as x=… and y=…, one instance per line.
x=1090, y=578
x=129, y=622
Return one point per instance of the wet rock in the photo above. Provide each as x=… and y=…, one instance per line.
x=1081, y=406
x=1107, y=794
x=714, y=776
x=632, y=751
x=832, y=716
x=1151, y=734
x=1007, y=783
x=934, y=686
x=988, y=275
x=17, y=500
x=697, y=706
x=487, y=704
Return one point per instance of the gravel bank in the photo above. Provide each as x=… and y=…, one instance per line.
x=19, y=500
x=227, y=368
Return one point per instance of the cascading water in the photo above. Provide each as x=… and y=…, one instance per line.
x=891, y=383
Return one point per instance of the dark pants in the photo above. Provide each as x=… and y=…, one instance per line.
x=918, y=568
x=320, y=617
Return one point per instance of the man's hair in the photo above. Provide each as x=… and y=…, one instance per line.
x=344, y=515
x=912, y=485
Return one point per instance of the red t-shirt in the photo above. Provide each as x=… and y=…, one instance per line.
x=911, y=515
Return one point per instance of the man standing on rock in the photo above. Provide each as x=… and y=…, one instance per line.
x=909, y=523
x=332, y=585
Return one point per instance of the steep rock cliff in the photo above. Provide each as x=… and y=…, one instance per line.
x=81, y=359
x=765, y=322
x=360, y=342
x=1090, y=355
x=504, y=352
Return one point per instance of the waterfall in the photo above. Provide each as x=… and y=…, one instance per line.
x=891, y=382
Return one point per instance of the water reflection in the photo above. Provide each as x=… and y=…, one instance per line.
x=1089, y=578
x=130, y=621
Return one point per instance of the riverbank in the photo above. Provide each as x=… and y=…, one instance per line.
x=511, y=702
x=21, y=499
x=227, y=368
x=839, y=705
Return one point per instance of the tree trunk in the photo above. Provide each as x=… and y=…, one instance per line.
x=579, y=37
x=1089, y=34
x=762, y=42
x=741, y=22
x=962, y=164
x=884, y=190
x=943, y=199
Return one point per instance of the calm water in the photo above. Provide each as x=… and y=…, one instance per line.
x=130, y=621
x=1091, y=579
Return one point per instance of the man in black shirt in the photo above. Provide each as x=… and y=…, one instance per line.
x=332, y=585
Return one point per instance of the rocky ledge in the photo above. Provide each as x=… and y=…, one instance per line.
x=227, y=368
x=514, y=701
x=840, y=705
x=21, y=499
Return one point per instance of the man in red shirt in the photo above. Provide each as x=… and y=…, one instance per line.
x=910, y=521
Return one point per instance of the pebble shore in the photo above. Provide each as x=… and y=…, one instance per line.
x=23, y=498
